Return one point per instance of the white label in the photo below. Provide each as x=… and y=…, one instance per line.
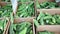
x=14, y=4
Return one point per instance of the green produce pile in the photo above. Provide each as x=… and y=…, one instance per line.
x=22, y=28
x=18, y=0
x=46, y=32
x=5, y=10
x=47, y=19
x=47, y=5
x=2, y=25
x=25, y=10
x=24, y=0
x=6, y=0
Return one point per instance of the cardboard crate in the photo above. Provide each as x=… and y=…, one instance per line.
x=50, y=11
x=41, y=1
x=51, y=28
x=19, y=20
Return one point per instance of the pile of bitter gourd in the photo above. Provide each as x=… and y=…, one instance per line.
x=47, y=5
x=18, y=0
x=2, y=25
x=22, y=28
x=5, y=10
x=24, y=0
x=25, y=10
x=47, y=19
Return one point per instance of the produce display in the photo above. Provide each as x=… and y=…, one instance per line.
x=5, y=10
x=25, y=10
x=22, y=28
x=47, y=5
x=47, y=19
x=2, y=25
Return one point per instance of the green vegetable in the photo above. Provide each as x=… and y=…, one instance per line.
x=42, y=21
x=40, y=15
x=2, y=25
x=47, y=19
x=6, y=0
x=5, y=10
x=36, y=23
x=31, y=32
x=46, y=32
x=11, y=26
x=25, y=10
x=22, y=28
x=24, y=0
x=47, y=5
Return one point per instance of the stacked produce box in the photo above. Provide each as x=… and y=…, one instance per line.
x=31, y=17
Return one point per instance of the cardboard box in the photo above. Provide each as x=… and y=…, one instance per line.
x=51, y=28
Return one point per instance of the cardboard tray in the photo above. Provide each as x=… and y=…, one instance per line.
x=30, y=19
x=18, y=21
x=52, y=28
x=41, y=1
x=50, y=11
